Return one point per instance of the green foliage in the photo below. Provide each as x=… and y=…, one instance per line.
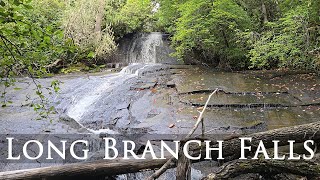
x=130, y=16
x=244, y=33
x=119, y=17
x=167, y=15
x=79, y=21
x=254, y=10
x=30, y=39
x=212, y=29
x=287, y=42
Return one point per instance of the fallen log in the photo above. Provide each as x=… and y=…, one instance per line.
x=231, y=149
x=299, y=134
x=87, y=170
x=309, y=169
x=57, y=64
x=231, y=146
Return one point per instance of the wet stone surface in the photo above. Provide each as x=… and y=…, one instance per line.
x=279, y=101
x=166, y=99
x=153, y=97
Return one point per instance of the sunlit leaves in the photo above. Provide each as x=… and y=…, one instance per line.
x=211, y=29
x=233, y=32
x=286, y=42
x=31, y=38
x=129, y=16
x=91, y=55
x=79, y=24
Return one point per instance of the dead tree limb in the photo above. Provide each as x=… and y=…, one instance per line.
x=171, y=163
x=200, y=118
x=168, y=165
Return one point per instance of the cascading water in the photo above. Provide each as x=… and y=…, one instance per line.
x=144, y=48
x=143, y=53
x=102, y=98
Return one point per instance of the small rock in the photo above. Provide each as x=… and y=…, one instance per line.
x=171, y=84
x=172, y=125
x=143, y=86
x=200, y=108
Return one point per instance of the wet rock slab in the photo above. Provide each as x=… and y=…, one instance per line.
x=167, y=100
x=144, y=86
x=242, y=99
x=248, y=97
x=304, y=87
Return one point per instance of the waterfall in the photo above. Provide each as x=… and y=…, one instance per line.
x=144, y=52
x=143, y=48
x=149, y=47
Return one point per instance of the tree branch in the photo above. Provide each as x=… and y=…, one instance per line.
x=172, y=161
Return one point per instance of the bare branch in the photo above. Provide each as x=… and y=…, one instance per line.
x=172, y=161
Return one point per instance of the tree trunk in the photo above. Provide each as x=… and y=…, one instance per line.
x=99, y=18
x=225, y=38
x=183, y=167
x=304, y=168
x=301, y=133
x=264, y=12
x=86, y=170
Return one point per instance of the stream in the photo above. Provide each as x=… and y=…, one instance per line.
x=157, y=94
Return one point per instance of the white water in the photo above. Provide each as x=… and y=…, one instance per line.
x=82, y=105
x=144, y=49
x=149, y=53
x=140, y=61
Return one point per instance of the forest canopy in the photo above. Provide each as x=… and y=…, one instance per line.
x=241, y=34
x=40, y=36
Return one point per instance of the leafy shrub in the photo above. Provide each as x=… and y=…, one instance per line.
x=79, y=25
x=212, y=28
x=285, y=43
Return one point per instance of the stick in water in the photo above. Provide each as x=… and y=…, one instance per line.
x=172, y=161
